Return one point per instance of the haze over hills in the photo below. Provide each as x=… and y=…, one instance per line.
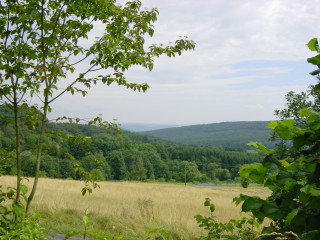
x=231, y=134
x=139, y=127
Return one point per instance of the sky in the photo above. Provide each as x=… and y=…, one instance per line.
x=248, y=55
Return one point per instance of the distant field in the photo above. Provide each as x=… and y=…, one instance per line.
x=132, y=207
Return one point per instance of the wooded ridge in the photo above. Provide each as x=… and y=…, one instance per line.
x=120, y=156
x=230, y=134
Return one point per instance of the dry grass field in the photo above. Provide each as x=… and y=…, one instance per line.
x=132, y=207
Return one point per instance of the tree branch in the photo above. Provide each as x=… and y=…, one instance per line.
x=74, y=82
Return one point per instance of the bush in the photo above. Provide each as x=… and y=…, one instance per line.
x=161, y=180
x=97, y=175
x=245, y=181
x=14, y=223
x=216, y=181
x=42, y=174
x=172, y=181
x=244, y=229
x=292, y=172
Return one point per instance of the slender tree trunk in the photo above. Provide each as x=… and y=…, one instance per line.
x=44, y=115
x=39, y=152
x=17, y=140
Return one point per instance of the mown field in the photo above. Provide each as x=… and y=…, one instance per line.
x=130, y=208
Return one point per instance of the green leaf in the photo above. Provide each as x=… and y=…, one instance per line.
x=289, y=186
x=311, y=167
x=310, y=235
x=316, y=88
x=212, y=208
x=291, y=215
x=207, y=202
x=260, y=147
x=24, y=189
x=314, y=191
x=256, y=172
x=238, y=200
x=71, y=234
x=285, y=133
x=83, y=191
x=151, y=32
x=272, y=125
x=313, y=44
x=311, y=190
x=314, y=121
x=314, y=60
x=269, y=208
x=17, y=209
x=284, y=163
x=304, y=112
x=252, y=203
x=86, y=219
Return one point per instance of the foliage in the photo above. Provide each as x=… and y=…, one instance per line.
x=161, y=234
x=294, y=177
x=104, y=235
x=14, y=223
x=45, y=53
x=245, y=181
x=121, y=156
x=245, y=228
x=294, y=103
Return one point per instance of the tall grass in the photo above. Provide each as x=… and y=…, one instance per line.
x=132, y=207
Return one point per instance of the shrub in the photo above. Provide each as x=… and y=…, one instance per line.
x=245, y=181
x=244, y=229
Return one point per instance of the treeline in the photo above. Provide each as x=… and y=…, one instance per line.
x=122, y=156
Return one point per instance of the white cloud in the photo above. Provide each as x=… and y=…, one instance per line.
x=256, y=106
x=206, y=85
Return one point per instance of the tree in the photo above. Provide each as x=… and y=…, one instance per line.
x=223, y=174
x=42, y=56
x=293, y=177
x=189, y=171
x=211, y=170
x=118, y=165
x=138, y=171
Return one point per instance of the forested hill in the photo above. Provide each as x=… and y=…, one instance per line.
x=123, y=156
x=230, y=134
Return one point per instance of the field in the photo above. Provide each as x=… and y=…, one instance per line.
x=132, y=207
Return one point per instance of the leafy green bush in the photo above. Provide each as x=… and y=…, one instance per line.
x=293, y=180
x=97, y=175
x=14, y=223
x=172, y=181
x=293, y=176
x=161, y=180
x=244, y=229
x=245, y=181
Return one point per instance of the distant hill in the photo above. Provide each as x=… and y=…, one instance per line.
x=230, y=134
x=123, y=156
x=139, y=127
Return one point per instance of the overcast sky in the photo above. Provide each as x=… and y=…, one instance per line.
x=249, y=54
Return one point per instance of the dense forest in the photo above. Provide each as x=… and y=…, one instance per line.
x=231, y=134
x=120, y=156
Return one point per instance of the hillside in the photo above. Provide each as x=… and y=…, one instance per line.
x=123, y=156
x=140, y=127
x=230, y=134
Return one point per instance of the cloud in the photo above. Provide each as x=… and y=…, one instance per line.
x=249, y=54
x=256, y=106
